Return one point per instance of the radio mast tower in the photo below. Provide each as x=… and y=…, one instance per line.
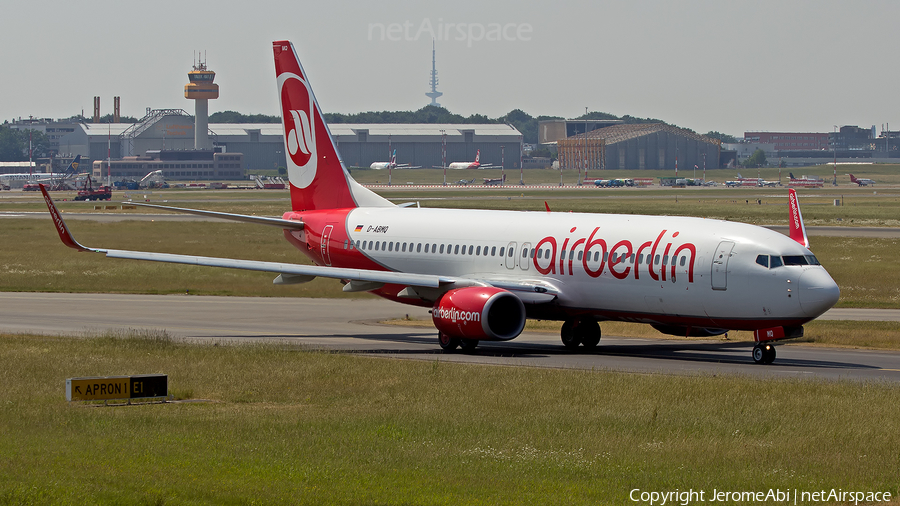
x=434, y=93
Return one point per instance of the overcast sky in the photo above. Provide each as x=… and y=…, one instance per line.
x=730, y=66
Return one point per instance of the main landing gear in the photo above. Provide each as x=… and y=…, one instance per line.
x=583, y=331
x=764, y=353
x=449, y=343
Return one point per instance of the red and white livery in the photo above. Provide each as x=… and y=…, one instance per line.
x=470, y=165
x=485, y=272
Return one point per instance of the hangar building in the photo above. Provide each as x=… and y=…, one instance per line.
x=644, y=146
x=262, y=147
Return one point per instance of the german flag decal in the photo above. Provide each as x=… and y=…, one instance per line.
x=358, y=228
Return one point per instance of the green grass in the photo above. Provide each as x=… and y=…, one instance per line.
x=35, y=260
x=287, y=426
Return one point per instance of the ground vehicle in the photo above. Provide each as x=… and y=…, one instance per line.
x=91, y=193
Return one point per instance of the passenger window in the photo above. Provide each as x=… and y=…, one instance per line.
x=376, y=246
x=596, y=256
x=605, y=256
x=442, y=248
x=525, y=253
x=532, y=253
x=493, y=251
x=540, y=254
x=632, y=258
x=345, y=243
x=404, y=248
x=683, y=260
x=456, y=250
x=760, y=259
x=666, y=260
x=470, y=249
x=562, y=255
x=656, y=260
x=502, y=250
x=391, y=246
x=641, y=259
x=580, y=255
x=509, y=253
x=478, y=251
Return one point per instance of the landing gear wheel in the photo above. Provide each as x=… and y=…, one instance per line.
x=448, y=343
x=468, y=344
x=764, y=353
x=770, y=354
x=569, y=338
x=589, y=332
x=577, y=331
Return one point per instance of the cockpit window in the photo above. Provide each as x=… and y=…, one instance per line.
x=774, y=262
x=763, y=260
x=800, y=260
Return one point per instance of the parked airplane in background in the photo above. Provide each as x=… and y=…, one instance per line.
x=861, y=181
x=470, y=165
x=483, y=272
x=806, y=181
x=391, y=164
x=44, y=177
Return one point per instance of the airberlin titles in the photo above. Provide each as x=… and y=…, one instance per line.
x=659, y=258
x=619, y=258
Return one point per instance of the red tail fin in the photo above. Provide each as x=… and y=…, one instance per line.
x=478, y=156
x=318, y=179
x=797, y=229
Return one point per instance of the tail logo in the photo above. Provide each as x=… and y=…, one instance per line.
x=300, y=133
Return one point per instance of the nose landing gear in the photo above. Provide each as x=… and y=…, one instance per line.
x=764, y=353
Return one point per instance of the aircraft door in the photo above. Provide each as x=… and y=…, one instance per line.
x=511, y=256
x=326, y=244
x=720, y=265
x=524, y=259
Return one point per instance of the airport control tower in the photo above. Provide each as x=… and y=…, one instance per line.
x=201, y=89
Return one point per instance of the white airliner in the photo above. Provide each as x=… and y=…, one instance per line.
x=391, y=164
x=484, y=272
x=470, y=165
x=42, y=177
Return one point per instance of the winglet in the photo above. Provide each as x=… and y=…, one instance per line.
x=546, y=206
x=796, y=226
x=61, y=227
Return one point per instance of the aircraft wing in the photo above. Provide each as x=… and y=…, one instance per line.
x=533, y=292
x=260, y=220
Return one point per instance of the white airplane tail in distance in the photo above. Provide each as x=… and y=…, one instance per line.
x=482, y=273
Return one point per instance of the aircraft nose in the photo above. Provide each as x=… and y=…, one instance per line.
x=818, y=292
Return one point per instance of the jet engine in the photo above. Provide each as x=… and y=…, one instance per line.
x=480, y=313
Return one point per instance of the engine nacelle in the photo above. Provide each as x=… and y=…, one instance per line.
x=483, y=313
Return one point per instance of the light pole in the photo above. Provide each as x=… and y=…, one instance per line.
x=834, y=152
x=502, y=165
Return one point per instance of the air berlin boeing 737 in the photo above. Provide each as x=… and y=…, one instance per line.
x=484, y=272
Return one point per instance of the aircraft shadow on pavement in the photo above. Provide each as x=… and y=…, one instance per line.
x=708, y=352
x=716, y=352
